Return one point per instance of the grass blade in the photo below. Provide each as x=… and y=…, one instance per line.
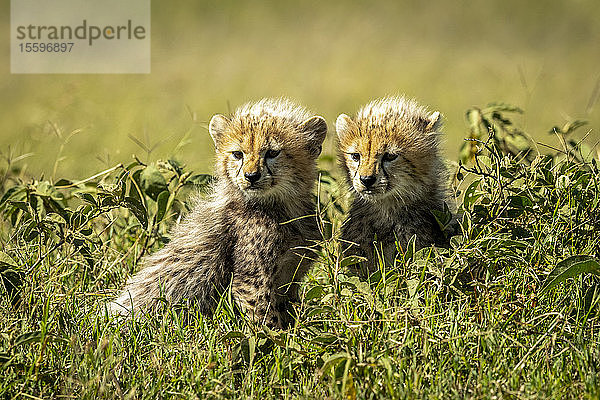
x=570, y=268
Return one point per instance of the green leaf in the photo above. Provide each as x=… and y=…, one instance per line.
x=325, y=338
x=233, y=335
x=351, y=260
x=471, y=195
x=6, y=259
x=248, y=346
x=10, y=193
x=55, y=218
x=88, y=198
x=21, y=205
x=520, y=202
x=443, y=217
x=162, y=201
x=313, y=293
x=333, y=360
x=5, y=359
x=78, y=218
x=28, y=338
x=63, y=182
x=570, y=268
x=153, y=183
x=138, y=209
x=11, y=278
x=44, y=189
x=29, y=232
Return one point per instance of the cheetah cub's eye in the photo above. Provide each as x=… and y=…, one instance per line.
x=387, y=157
x=355, y=157
x=272, y=153
x=237, y=155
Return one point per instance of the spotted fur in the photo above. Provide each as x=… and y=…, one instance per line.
x=250, y=233
x=391, y=159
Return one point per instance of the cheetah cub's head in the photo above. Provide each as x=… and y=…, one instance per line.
x=390, y=150
x=268, y=149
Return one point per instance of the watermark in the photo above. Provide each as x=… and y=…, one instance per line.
x=80, y=36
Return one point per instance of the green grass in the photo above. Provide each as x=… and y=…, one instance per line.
x=479, y=320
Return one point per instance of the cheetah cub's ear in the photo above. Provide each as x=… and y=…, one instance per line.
x=343, y=125
x=316, y=129
x=434, y=123
x=216, y=128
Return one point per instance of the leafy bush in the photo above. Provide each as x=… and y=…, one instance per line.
x=511, y=308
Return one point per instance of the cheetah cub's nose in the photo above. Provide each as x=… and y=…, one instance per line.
x=368, y=180
x=252, y=177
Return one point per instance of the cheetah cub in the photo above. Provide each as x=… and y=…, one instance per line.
x=252, y=230
x=390, y=156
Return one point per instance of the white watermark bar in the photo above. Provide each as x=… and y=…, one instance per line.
x=80, y=36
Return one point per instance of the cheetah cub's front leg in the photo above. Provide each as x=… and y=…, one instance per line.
x=256, y=299
x=261, y=255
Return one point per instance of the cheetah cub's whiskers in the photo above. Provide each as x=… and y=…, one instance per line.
x=390, y=155
x=252, y=232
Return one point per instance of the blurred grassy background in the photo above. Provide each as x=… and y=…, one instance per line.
x=330, y=56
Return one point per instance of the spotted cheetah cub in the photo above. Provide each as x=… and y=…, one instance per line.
x=251, y=231
x=390, y=156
